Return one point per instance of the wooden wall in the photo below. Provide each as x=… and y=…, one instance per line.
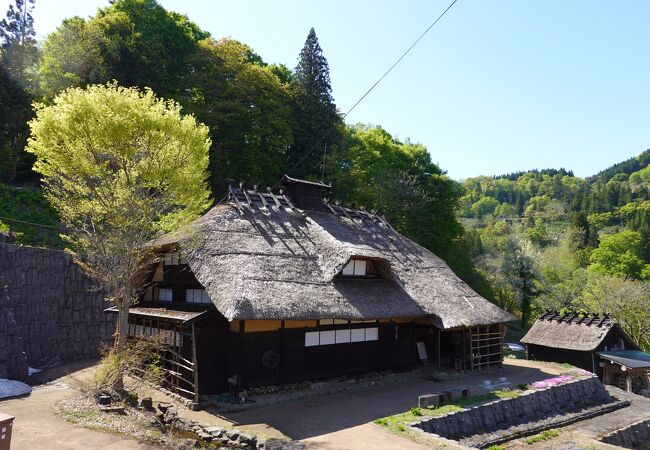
x=576, y=358
x=395, y=348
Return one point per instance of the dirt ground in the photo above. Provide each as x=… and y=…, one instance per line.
x=37, y=425
x=335, y=422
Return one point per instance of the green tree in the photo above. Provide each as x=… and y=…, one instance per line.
x=136, y=42
x=627, y=300
x=15, y=111
x=248, y=110
x=79, y=53
x=317, y=122
x=18, y=57
x=538, y=234
x=399, y=179
x=582, y=237
x=164, y=43
x=620, y=254
x=521, y=273
x=484, y=206
x=120, y=166
x=18, y=43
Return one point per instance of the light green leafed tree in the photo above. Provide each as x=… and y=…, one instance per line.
x=621, y=254
x=628, y=301
x=121, y=167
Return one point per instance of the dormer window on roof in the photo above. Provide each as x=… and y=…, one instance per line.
x=359, y=268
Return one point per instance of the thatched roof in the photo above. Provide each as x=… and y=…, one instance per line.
x=260, y=257
x=572, y=331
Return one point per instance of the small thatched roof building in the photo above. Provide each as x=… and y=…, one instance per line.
x=289, y=263
x=589, y=341
x=584, y=333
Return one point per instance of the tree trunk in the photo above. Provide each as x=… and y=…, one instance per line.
x=121, y=341
x=122, y=328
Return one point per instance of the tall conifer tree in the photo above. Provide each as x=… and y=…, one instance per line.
x=315, y=113
x=17, y=39
x=18, y=58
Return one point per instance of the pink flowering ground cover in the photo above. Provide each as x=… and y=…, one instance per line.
x=561, y=379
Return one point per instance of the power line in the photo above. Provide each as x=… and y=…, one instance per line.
x=390, y=69
x=29, y=223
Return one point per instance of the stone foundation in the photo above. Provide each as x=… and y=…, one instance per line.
x=50, y=310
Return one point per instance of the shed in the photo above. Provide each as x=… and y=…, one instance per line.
x=581, y=340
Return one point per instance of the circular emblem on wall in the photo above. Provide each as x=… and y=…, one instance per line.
x=271, y=359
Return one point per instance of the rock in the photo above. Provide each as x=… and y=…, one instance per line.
x=232, y=435
x=113, y=409
x=104, y=400
x=440, y=376
x=146, y=403
x=207, y=437
x=428, y=400
x=216, y=432
x=247, y=439
x=281, y=444
x=163, y=407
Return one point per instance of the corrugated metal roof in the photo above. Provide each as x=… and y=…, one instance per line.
x=633, y=359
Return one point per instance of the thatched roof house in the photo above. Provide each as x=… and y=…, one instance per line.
x=273, y=262
x=260, y=257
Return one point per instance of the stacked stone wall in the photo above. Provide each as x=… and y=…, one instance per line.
x=635, y=436
x=530, y=406
x=13, y=361
x=51, y=306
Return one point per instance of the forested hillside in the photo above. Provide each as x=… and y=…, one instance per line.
x=528, y=241
x=546, y=239
x=265, y=119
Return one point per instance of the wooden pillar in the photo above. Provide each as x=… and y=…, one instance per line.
x=438, y=335
x=281, y=351
x=195, y=366
x=240, y=353
x=628, y=381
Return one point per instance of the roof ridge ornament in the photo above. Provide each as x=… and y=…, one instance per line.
x=269, y=191
x=286, y=199
x=232, y=195
x=248, y=198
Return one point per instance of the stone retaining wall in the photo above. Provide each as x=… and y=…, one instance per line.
x=635, y=436
x=51, y=309
x=13, y=361
x=530, y=406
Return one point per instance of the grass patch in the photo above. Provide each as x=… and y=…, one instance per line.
x=541, y=437
x=495, y=447
x=400, y=423
x=78, y=416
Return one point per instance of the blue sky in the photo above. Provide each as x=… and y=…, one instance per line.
x=495, y=87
